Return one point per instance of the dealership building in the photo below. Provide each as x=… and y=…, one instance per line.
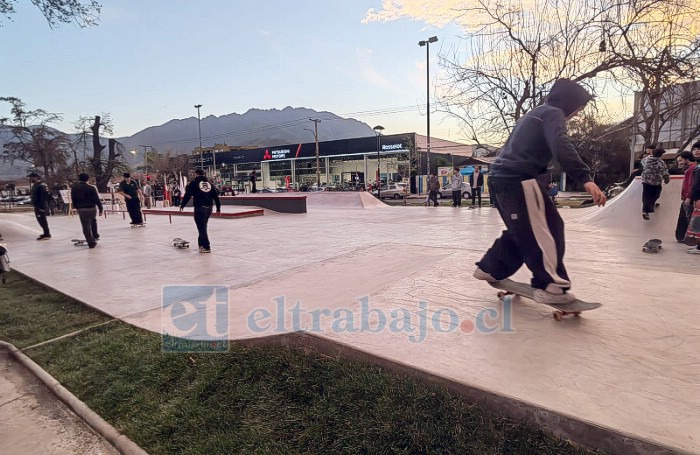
x=396, y=158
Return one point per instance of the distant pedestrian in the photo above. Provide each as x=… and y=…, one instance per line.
x=653, y=174
x=176, y=195
x=456, y=181
x=131, y=191
x=147, y=193
x=433, y=188
x=86, y=201
x=476, y=182
x=253, y=181
x=204, y=195
x=40, y=202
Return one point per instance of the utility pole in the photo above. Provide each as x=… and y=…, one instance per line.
x=318, y=168
x=199, y=122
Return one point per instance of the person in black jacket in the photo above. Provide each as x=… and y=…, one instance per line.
x=476, y=182
x=40, y=202
x=534, y=232
x=695, y=200
x=87, y=202
x=203, y=195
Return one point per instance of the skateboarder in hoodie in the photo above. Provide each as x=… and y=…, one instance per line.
x=203, y=195
x=534, y=232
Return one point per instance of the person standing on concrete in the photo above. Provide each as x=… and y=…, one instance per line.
x=534, y=232
x=476, y=182
x=204, y=196
x=40, y=202
x=456, y=181
x=433, y=188
x=147, y=193
x=686, y=163
x=253, y=181
x=87, y=202
x=131, y=191
x=654, y=172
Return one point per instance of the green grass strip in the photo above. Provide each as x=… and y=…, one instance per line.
x=261, y=400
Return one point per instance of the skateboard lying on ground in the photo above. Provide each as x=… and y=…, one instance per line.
x=509, y=287
x=140, y=225
x=652, y=246
x=180, y=243
x=79, y=242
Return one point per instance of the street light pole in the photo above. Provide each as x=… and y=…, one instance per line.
x=378, y=131
x=426, y=43
x=199, y=122
x=145, y=157
x=318, y=169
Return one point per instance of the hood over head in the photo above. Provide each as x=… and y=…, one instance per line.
x=568, y=96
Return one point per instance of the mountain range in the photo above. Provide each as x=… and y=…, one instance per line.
x=256, y=128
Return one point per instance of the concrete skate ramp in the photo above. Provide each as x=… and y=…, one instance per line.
x=343, y=200
x=623, y=213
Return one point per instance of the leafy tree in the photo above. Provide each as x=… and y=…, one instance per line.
x=56, y=12
x=34, y=141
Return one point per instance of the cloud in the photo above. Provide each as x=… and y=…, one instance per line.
x=437, y=13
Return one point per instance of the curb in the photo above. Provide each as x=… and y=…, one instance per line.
x=119, y=441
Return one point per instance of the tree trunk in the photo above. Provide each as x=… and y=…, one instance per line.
x=97, y=148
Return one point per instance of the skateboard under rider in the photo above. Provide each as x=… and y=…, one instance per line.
x=79, y=242
x=512, y=288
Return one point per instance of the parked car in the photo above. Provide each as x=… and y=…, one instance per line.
x=393, y=191
x=446, y=191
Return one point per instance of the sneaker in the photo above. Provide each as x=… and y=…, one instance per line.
x=92, y=246
x=548, y=298
x=694, y=251
x=97, y=238
x=204, y=250
x=481, y=275
x=645, y=216
x=44, y=237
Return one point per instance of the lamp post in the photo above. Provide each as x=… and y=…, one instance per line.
x=199, y=122
x=318, y=169
x=426, y=43
x=378, y=131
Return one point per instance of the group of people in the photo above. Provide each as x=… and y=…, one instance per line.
x=476, y=183
x=86, y=201
x=654, y=173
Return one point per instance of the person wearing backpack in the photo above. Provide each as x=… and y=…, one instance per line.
x=204, y=196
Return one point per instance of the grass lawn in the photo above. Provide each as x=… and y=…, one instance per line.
x=249, y=400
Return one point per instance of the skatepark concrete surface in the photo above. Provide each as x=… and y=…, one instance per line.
x=34, y=421
x=624, y=378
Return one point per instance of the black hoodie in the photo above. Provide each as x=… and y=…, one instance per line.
x=540, y=136
x=202, y=193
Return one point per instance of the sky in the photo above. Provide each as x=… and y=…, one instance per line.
x=150, y=61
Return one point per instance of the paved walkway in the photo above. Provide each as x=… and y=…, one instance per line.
x=33, y=421
x=631, y=366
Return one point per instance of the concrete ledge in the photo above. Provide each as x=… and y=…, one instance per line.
x=190, y=213
x=277, y=202
x=574, y=429
x=122, y=443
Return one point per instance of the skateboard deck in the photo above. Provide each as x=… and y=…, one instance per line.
x=180, y=243
x=138, y=225
x=79, y=242
x=509, y=287
x=652, y=246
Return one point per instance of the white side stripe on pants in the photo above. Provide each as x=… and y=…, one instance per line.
x=538, y=222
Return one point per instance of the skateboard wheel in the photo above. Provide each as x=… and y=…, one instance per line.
x=558, y=315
